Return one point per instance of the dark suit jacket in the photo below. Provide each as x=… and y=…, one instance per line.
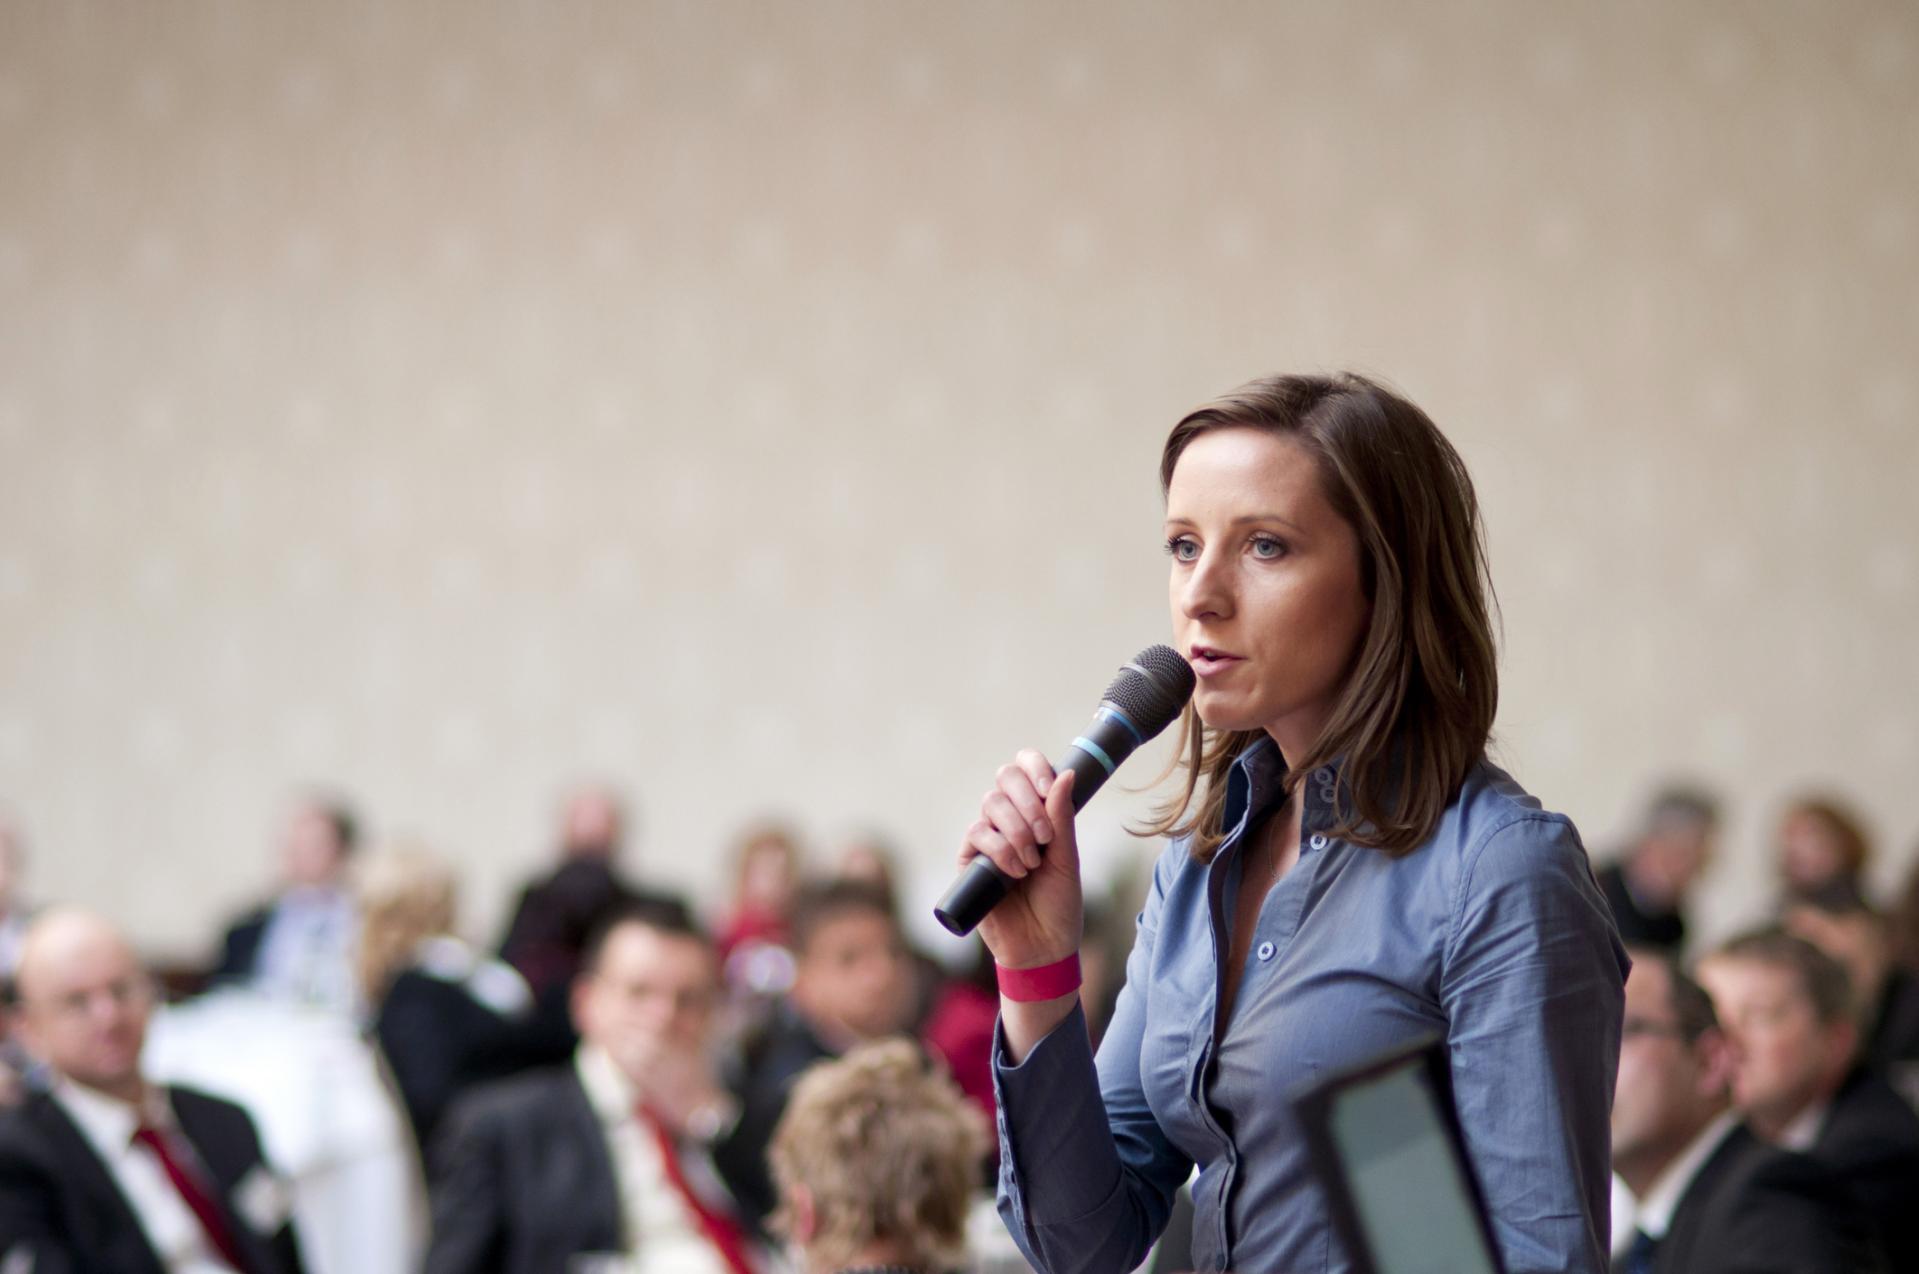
x=240, y=949
x=439, y=1040
x=1756, y=1210
x=59, y=1202
x=523, y=1180
x=1638, y=927
x=1871, y=1142
x=1895, y=1023
x=771, y=1060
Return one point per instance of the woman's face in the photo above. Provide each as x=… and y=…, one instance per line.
x=1265, y=585
x=1809, y=850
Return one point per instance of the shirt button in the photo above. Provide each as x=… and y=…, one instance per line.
x=1324, y=774
x=1266, y=950
x=1318, y=841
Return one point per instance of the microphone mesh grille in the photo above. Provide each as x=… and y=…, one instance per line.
x=1152, y=689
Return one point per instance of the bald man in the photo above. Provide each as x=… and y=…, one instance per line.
x=104, y=1171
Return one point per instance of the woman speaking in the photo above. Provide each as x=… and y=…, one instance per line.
x=1347, y=871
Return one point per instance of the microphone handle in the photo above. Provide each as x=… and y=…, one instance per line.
x=1109, y=740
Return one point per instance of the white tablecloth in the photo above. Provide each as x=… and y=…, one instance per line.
x=325, y=1117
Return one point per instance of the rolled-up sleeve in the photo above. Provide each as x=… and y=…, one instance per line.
x=1533, y=986
x=1087, y=1177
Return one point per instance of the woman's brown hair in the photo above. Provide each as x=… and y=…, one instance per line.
x=1417, y=707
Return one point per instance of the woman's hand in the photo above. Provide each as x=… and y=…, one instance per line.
x=1026, y=828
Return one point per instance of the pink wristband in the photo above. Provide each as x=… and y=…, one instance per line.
x=1047, y=982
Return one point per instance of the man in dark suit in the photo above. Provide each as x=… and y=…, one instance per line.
x=104, y=1171
x=1789, y=1008
x=1646, y=885
x=625, y=1152
x=301, y=943
x=854, y=981
x=1709, y=1196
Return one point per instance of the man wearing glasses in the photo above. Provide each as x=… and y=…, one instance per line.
x=1708, y=1195
x=103, y=1170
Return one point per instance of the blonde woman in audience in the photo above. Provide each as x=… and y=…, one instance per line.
x=875, y=1161
x=443, y=1014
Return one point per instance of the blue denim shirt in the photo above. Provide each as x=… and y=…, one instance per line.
x=1492, y=933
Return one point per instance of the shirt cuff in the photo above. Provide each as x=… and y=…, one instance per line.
x=1052, y=1123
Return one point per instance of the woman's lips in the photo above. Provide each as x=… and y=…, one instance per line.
x=1208, y=662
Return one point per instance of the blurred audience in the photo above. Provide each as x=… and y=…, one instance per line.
x=300, y=945
x=1885, y=995
x=14, y=912
x=444, y=1015
x=1708, y=1196
x=1798, y=1083
x=1822, y=848
x=104, y=1171
x=547, y=935
x=14, y=915
x=556, y=914
x=754, y=932
x=853, y=982
x=628, y=1152
x=1647, y=884
x=875, y=1162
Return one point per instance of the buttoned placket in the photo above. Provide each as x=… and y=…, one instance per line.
x=1275, y=926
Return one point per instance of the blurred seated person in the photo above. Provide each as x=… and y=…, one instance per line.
x=853, y=982
x=1822, y=848
x=555, y=914
x=1708, y=1196
x=104, y=1171
x=625, y=1153
x=1789, y=1012
x=300, y=945
x=875, y=1162
x=14, y=915
x=1885, y=995
x=754, y=934
x=1646, y=886
x=14, y=912
x=444, y=1015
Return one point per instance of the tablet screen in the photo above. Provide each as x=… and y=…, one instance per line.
x=1416, y=1208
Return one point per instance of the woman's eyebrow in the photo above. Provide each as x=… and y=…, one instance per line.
x=1246, y=518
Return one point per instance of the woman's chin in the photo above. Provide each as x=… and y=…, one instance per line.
x=1225, y=718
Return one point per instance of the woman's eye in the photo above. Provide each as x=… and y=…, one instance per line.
x=1182, y=548
x=1266, y=548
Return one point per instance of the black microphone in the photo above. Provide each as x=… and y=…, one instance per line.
x=1143, y=700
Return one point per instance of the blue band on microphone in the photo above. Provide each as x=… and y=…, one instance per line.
x=1095, y=751
x=1111, y=713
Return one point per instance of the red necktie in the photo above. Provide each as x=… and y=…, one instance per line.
x=721, y=1230
x=213, y=1218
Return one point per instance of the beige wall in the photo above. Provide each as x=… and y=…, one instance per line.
x=759, y=403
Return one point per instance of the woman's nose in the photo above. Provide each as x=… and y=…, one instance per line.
x=1207, y=593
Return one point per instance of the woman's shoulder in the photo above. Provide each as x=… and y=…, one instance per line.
x=1496, y=831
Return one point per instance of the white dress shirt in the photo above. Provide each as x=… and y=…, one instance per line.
x=306, y=950
x=108, y=1124
x=1802, y=1134
x=1653, y=1214
x=663, y=1235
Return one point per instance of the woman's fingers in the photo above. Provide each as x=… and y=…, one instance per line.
x=982, y=841
x=1017, y=784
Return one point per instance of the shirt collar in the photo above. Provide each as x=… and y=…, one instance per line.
x=1804, y=1130
x=1653, y=1215
x=107, y=1121
x=608, y=1091
x=1255, y=784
